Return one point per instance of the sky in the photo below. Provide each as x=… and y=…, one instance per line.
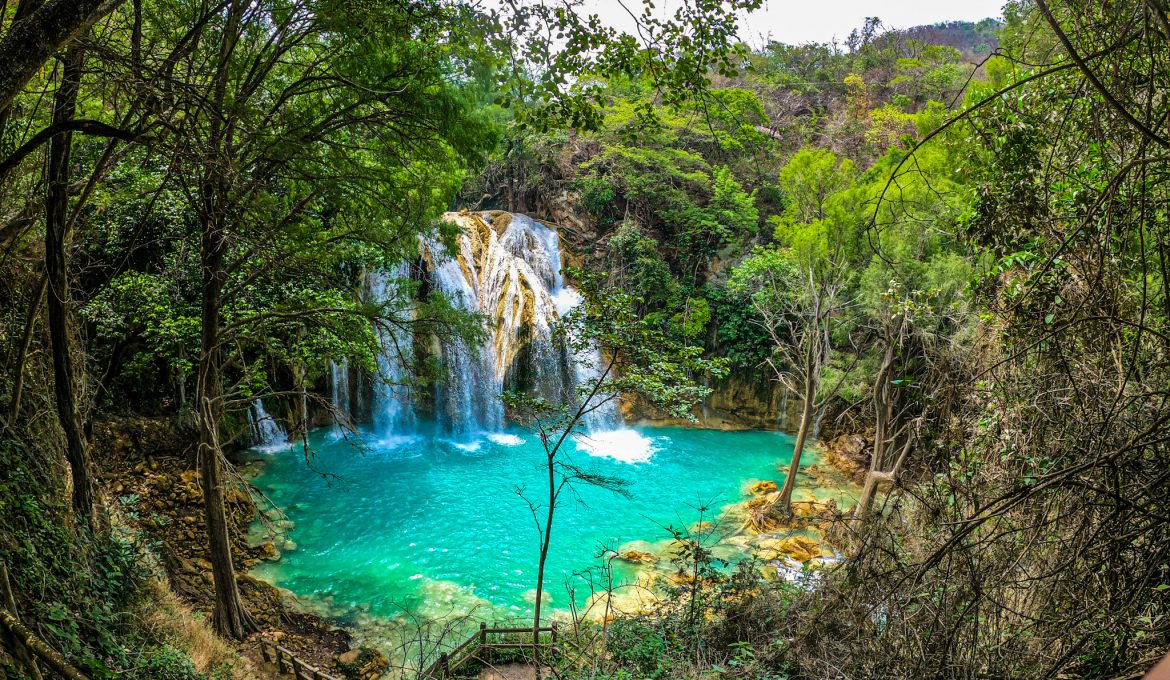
x=802, y=21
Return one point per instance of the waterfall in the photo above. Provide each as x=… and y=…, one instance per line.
x=467, y=399
x=508, y=267
x=339, y=385
x=782, y=424
x=392, y=413
x=266, y=432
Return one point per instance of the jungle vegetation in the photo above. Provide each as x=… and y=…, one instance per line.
x=950, y=239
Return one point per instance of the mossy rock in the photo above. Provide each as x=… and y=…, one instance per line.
x=363, y=663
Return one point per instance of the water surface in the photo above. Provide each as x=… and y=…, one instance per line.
x=428, y=526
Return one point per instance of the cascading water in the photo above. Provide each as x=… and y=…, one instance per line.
x=393, y=415
x=339, y=385
x=467, y=399
x=266, y=432
x=508, y=267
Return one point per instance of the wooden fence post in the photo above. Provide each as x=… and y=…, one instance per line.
x=444, y=665
x=554, y=632
x=482, y=634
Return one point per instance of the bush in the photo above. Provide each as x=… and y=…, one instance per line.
x=637, y=645
x=164, y=662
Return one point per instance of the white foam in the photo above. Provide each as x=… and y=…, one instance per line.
x=504, y=439
x=469, y=447
x=277, y=447
x=624, y=445
x=395, y=441
x=565, y=300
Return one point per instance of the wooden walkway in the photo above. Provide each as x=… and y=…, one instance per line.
x=486, y=639
x=483, y=641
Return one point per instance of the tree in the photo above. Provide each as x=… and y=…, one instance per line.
x=57, y=276
x=911, y=296
x=894, y=328
x=635, y=358
x=311, y=133
x=796, y=291
x=38, y=31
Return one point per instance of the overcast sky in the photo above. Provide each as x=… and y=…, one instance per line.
x=801, y=21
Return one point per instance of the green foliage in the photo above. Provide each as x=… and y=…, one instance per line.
x=164, y=662
x=739, y=338
x=693, y=320
x=573, y=56
x=73, y=587
x=637, y=265
x=638, y=646
x=730, y=214
x=598, y=196
x=811, y=179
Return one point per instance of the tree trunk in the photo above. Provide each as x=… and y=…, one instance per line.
x=881, y=410
x=868, y=491
x=230, y=617
x=812, y=370
x=31, y=42
x=552, y=505
x=30, y=323
x=57, y=276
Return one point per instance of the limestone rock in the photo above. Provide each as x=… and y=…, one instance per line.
x=798, y=548
x=765, y=487
x=363, y=663
x=849, y=454
x=638, y=557
x=268, y=551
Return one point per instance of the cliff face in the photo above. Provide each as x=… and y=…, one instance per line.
x=749, y=400
x=741, y=401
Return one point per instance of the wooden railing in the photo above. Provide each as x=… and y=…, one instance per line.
x=480, y=641
x=287, y=662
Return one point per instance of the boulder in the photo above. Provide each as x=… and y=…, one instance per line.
x=765, y=487
x=638, y=557
x=849, y=454
x=815, y=509
x=363, y=663
x=798, y=548
x=268, y=551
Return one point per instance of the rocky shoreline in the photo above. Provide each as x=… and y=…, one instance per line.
x=786, y=547
x=148, y=474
